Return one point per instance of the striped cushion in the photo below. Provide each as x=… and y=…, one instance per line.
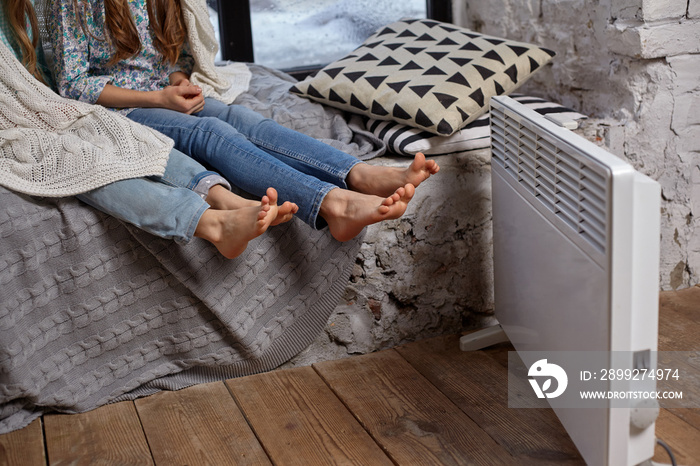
x=405, y=140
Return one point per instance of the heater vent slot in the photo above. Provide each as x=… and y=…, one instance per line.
x=566, y=182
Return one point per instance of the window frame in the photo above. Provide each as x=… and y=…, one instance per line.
x=236, y=37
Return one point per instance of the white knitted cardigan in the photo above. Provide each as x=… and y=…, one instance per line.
x=52, y=146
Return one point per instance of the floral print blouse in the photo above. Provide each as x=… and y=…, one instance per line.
x=82, y=53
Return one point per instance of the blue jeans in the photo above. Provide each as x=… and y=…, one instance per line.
x=169, y=206
x=254, y=153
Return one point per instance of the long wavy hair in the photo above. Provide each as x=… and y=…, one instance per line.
x=166, y=21
x=18, y=13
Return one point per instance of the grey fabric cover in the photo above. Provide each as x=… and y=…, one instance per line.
x=94, y=311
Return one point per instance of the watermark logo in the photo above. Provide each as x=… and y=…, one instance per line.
x=548, y=371
x=603, y=379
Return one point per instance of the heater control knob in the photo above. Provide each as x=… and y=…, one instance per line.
x=644, y=414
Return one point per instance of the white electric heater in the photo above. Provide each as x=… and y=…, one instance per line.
x=576, y=253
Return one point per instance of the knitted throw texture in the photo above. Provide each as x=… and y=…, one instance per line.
x=223, y=83
x=51, y=146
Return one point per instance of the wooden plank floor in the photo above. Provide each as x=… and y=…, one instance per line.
x=421, y=403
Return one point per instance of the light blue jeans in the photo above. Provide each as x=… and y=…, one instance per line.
x=254, y=153
x=169, y=206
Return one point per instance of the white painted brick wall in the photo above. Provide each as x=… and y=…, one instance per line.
x=694, y=9
x=648, y=10
x=633, y=65
x=656, y=10
x=626, y=9
x=664, y=39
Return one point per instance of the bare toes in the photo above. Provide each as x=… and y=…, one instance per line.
x=432, y=166
x=272, y=195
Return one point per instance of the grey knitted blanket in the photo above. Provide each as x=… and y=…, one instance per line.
x=93, y=311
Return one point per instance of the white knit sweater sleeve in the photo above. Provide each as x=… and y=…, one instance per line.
x=51, y=146
x=223, y=83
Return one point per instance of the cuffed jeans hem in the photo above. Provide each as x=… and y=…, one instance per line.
x=192, y=227
x=202, y=183
x=314, y=217
x=159, y=209
x=344, y=175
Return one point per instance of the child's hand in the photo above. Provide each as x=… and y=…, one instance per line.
x=184, y=97
x=179, y=78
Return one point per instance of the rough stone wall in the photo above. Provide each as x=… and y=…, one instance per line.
x=633, y=65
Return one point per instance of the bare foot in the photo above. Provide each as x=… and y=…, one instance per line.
x=383, y=181
x=348, y=212
x=220, y=198
x=231, y=230
x=285, y=212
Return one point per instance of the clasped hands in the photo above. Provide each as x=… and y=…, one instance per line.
x=181, y=95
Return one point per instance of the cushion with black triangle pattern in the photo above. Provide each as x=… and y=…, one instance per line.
x=426, y=74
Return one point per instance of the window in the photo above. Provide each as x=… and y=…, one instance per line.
x=298, y=35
